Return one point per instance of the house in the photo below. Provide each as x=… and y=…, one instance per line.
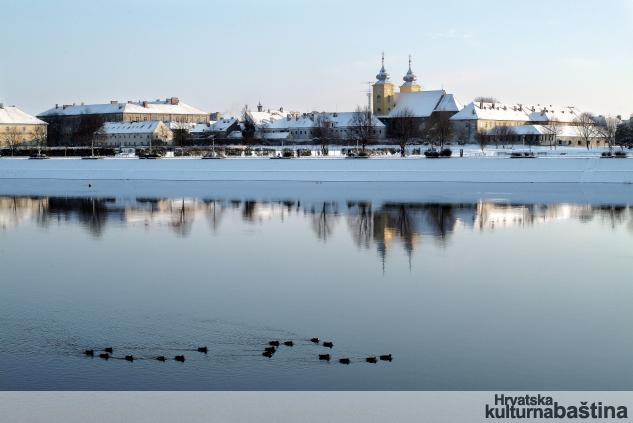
x=135, y=134
x=75, y=124
x=17, y=127
x=334, y=126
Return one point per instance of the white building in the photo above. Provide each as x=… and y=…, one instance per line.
x=135, y=134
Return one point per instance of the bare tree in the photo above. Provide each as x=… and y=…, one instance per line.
x=438, y=128
x=485, y=99
x=504, y=134
x=553, y=129
x=405, y=127
x=12, y=138
x=362, y=125
x=322, y=131
x=39, y=136
x=481, y=138
x=248, y=127
x=624, y=135
x=98, y=137
x=607, y=127
x=586, y=125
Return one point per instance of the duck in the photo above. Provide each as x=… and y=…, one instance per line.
x=267, y=354
x=314, y=340
x=289, y=343
x=108, y=350
x=325, y=357
x=161, y=358
x=328, y=344
x=180, y=358
x=270, y=349
x=386, y=357
x=129, y=358
x=89, y=353
x=274, y=343
x=203, y=350
x=371, y=360
x=344, y=361
x=105, y=356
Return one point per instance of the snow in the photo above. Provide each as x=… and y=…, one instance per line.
x=141, y=107
x=421, y=104
x=142, y=127
x=449, y=104
x=566, y=131
x=222, y=125
x=517, y=113
x=11, y=115
x=458, y=170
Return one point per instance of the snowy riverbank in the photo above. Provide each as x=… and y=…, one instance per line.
x=481, y=170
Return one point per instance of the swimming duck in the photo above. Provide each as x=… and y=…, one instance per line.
x=325, y=357
x=289, y=343
x=129, y=358
x=386, y=357
x=267, y=354
x=108, y=350
x=180, y=358
x=274, y=343
x=328, y=344
x=89, y=353
x=270, y=349
x=344, y=361
x=314, y=340
x=371, y=360
x=203, y=350
x=161, y=358
x=105, y=356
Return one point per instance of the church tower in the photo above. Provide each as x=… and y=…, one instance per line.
x=382, y=92
x=410, y=85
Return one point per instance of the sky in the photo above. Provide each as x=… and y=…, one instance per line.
x=314, y=55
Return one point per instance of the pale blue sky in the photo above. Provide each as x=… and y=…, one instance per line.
x=314, y=55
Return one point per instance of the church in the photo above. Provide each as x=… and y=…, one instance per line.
x=387, y=104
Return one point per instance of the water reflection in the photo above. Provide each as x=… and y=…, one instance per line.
x=370, y=225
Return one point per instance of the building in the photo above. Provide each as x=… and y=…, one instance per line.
x=411, y=100
x=17, y=127
x=219, y=129
x=333, y=126
x=135, y=134
x=76, y=124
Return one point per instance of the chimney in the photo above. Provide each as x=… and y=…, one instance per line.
x=145, y=104
x=174, y=101
x=1, y=105
x=57, y=105
x=114, y=102
x=281, y=109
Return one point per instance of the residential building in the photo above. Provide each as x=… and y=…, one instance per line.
x=135, y=134
x=17, y=127
x=76, y=124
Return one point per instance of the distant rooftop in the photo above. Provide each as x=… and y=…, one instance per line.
x=11, y=115
x=168, y=106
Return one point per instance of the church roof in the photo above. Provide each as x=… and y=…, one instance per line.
x=420, y=104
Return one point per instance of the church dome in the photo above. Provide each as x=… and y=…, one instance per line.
x=382, y=76
x=409, y=78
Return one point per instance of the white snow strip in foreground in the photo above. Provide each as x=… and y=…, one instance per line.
x=501, y=170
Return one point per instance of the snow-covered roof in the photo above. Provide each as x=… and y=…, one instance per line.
x=201, y=128
x=222, y=124
x=338, y=120
x=516, y=112
x=449, y=103
x=180, y=125
x=11, y=115
x=259, y=118
x=420, y=104
x=141, y=127
x=169, y=106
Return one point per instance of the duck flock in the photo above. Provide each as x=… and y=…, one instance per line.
x=269, y=351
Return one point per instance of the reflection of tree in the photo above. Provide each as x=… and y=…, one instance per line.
x=248, y=210
x=214, y=213
x=614, y=215
x=182, y=218
x=360, y=222
x=323, y=220
x=441, y=219
x=91, y=212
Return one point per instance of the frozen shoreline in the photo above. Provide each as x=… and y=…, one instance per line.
x=483, y=170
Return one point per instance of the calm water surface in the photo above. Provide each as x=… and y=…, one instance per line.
x=483, y=296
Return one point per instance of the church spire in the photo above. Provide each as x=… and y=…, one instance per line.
x=410, y=81
x=382, y=76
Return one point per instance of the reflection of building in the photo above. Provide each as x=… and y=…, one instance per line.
x=17, y=126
